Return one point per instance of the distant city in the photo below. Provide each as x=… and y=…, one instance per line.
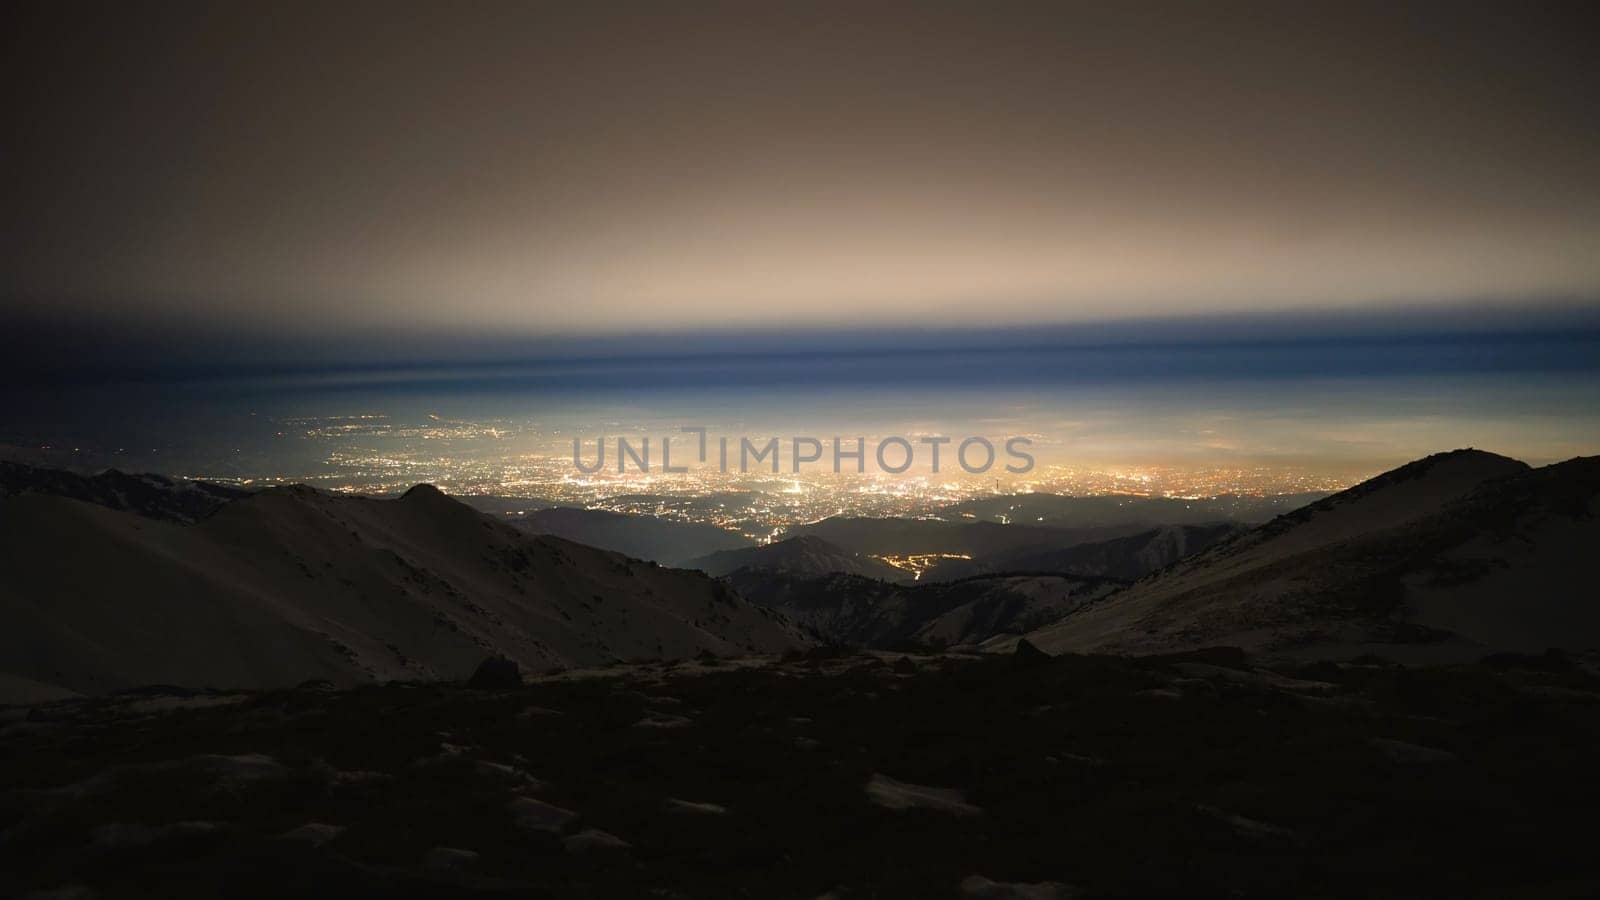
x=529, y=468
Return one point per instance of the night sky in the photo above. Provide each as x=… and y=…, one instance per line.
x=295, y=171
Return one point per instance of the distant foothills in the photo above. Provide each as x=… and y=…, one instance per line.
x=113, y=581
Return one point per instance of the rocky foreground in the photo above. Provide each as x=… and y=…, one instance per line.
x=826, y=775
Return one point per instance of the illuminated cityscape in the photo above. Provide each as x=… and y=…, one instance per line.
x=522, y=461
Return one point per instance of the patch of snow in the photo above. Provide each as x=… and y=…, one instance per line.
x=892, y=794
x=536, y=815
x=593, y=839
x=979, y=886
x=1402, y=752
x=690, y=807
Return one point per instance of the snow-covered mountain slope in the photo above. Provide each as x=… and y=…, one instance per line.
x=1456, y=553
x=290, y=584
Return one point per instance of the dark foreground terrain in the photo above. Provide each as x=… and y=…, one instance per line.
x=864, y=776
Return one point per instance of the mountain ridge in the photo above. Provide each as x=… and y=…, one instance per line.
x=803, y=555
x=844, y=609
x=291, y=583
x=1377, y=568
x=1128, y=558
x=149, y=495
x=666, y=541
